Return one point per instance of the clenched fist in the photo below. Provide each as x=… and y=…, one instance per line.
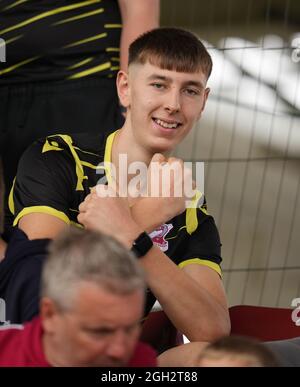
x=169, y=187
x=104, y=211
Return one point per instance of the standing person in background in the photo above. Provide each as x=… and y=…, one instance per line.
x=62, y=58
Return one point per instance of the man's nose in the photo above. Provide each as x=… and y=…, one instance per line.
x=118, y=348
x=172, y=104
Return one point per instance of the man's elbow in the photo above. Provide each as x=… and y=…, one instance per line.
x=215, y=330
x=221, y=329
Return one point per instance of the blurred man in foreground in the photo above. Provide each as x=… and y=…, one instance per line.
x=92, y=300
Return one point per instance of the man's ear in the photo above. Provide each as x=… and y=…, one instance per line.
x=49, y=314
x=123, y=88
x=206, y=93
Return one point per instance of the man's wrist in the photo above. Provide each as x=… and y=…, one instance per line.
x=132, y=233
x=142, y=213
x=141, y=245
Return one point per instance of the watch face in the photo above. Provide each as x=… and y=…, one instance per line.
x=142, y=245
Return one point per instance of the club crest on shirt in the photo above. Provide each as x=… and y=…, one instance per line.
x=158, y=236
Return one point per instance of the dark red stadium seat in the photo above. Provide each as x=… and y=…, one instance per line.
x=159, y=332
x=263, y=323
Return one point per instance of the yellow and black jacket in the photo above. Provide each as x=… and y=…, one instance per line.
x=55, y=174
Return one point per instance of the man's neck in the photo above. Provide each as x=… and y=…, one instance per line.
x=125, y=143
x=50, y=353
x=126, y=146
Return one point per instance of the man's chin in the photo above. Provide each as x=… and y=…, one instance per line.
x=161, y=146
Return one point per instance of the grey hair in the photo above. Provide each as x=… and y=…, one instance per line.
x=80, y=256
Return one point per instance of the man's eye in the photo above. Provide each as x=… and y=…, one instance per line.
x=157, y=85
x=101, y=332
x=192, y=92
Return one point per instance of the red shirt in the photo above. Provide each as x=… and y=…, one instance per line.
x=21, y=346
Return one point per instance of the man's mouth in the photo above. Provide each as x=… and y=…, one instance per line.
x=167, y=124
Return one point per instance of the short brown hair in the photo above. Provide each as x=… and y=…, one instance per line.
x=171, y=49
x=242, y=348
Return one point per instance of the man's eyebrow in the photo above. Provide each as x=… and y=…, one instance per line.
x=195, y=83
x=161, y=77
x=168, y=79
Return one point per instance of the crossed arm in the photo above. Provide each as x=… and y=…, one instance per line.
x=192, y=297
x=195, y=291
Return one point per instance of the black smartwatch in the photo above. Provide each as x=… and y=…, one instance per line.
x=142, y=245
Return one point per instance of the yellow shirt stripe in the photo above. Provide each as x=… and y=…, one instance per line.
x=12, y=39
x=49, y=13
x=102, y=67
x=43, y=210
x=191, y=213
x=87, y=40
x=107, y=155
x=11, y=203
x=81, y=63
x=112, y=25
x=17, y=65
x=203, y=262
x=14, y=4
x=83, y=15
x=112, y=49
x=92, y=166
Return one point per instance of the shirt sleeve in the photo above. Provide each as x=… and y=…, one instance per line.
x=43, y=184
x=203, y=246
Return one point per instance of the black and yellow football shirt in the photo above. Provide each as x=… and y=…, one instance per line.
x=59, y=39
x=55, y=175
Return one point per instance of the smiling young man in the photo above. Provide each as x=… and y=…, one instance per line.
x=165, y=94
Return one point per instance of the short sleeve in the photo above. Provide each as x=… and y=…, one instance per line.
x=203, y=246
x=43, y=184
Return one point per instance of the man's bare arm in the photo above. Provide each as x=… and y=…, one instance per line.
x=193, y=297
x=39, y=225
x=137, y=18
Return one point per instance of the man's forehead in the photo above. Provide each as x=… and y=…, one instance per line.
x=95, y=304
x=153, y=72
